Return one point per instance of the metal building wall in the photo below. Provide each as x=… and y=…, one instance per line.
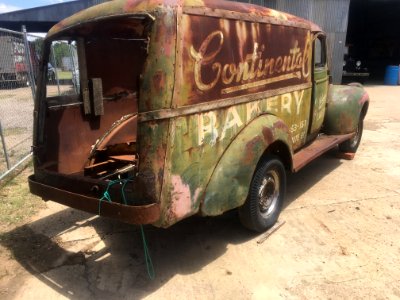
x=330, y=15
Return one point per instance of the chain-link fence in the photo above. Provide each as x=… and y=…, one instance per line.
x=19, y=60
x=20, y=53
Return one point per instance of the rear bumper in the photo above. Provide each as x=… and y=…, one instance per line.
x=144, y=214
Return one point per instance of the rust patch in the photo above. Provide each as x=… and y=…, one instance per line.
x=143, y=214
x=347, y=156
x=159, y=81
x=346, y=122
x=268, y=135
x=251, y=152
x=280, y=125
x=364, y=98
x=233, y=58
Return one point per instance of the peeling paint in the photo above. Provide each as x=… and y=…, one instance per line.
x=180, y=198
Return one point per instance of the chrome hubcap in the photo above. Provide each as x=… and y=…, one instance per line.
x=268, y=193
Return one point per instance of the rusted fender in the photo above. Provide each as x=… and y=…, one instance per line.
x=344, y=108
x=230, y=181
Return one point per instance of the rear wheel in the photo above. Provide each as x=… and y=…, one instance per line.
x=352, y=144
x=267, y=191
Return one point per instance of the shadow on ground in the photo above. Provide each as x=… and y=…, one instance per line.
x=81, y=256
x=110, y=263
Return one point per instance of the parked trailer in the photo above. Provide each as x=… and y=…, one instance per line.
x=13, y=66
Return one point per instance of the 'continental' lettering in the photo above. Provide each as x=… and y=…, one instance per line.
x=254, y=70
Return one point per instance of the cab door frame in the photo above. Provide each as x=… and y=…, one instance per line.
x=320, y=80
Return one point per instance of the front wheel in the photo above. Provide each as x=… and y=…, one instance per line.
x=267, y=192
x=351, y=145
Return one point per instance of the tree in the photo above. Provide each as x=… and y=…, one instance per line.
x=60, y=50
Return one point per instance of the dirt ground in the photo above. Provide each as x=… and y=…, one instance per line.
x=341, y=239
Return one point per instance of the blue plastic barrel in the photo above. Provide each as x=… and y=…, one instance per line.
x=392, y=75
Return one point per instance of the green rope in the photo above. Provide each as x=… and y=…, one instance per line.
x=147, y=257
x=123, y=191
x=106, y=196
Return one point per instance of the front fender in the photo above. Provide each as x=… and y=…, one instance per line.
x=344, y=107
x=229, y=184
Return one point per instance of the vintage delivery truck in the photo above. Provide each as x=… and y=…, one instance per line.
x=188, y=107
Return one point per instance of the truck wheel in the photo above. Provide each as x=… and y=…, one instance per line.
x=267, y=191
x=352, y=144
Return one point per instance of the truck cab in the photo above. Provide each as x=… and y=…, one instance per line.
x=186, y=108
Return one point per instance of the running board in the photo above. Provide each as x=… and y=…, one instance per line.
x=321, y=145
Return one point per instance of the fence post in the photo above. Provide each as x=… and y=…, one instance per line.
x=71, y=53
x=29, y=62
x=55, y=68
x=3, y=142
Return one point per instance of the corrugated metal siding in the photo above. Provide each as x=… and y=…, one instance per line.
x=300, y=8
x=337, y=16
x=270, y=3
x=331, y=15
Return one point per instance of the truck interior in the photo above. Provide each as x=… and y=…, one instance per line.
x=90, y=126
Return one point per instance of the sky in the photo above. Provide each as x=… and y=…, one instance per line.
x=11, y=5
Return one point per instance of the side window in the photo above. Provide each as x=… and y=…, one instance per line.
x=319, y=52
x=62, y=69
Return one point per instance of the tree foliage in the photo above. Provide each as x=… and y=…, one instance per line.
x=60, y=50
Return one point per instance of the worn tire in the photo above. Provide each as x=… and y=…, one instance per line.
x=266, y=195
x=351, y=146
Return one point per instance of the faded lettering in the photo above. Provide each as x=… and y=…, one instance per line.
x=232, y=121
x=201, y=58
x=207, y=126
x=255, y=70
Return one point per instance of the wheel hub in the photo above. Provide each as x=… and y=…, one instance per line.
x=269, y=193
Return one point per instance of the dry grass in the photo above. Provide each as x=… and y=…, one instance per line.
x=17, y=204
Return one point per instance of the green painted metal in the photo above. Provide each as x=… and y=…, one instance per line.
x=344, y=107
x=321, y=86
x=230, y=181
x=156, y=91
x=201, y=144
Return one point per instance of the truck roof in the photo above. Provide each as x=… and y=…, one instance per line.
x=127, y=7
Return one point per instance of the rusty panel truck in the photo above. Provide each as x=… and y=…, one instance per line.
x=188, y=107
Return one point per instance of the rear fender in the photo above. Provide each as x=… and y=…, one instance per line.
x=229, y=184
x=345, y=106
